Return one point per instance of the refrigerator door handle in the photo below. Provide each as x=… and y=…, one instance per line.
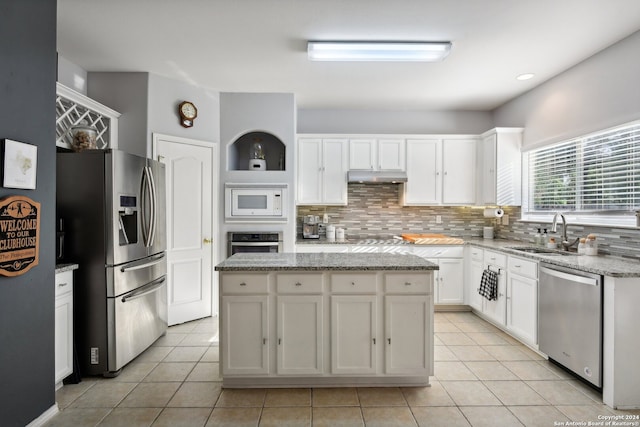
x=146, y=290
x=156, y=260
x=154, y=207
x=145, y=190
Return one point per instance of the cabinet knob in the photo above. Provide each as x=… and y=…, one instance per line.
x=407, y=283
x=500, y=295
x=279, y=341
x=264, y=340
x=389, y=339
x=374, y=341
x=298, y=284
x=517, y=266
x=243, y=284
x=353, y=283
x=62, y=285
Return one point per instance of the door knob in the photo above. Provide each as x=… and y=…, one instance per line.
x=207, y=241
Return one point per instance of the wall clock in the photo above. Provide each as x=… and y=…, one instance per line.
x=188, y=112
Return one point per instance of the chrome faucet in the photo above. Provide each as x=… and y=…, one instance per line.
x=565, y=242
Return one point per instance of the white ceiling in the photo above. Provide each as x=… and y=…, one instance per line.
x=260, y=45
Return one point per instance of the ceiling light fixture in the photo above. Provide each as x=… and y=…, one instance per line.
x=378, y=51
x=525, y=76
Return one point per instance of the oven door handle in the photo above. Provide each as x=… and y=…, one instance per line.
x=255, y=244
x=146, y=289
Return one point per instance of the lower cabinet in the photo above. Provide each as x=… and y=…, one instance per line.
x=522, y=300
x=354, y=337
x=407, y=348
x=449, y=279
x=353, y=326
x=300, y=335
x=63, y=325
x=245, y=338
x=496, y=310
x=476, y=267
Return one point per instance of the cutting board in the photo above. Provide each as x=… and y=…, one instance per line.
x=432, y=239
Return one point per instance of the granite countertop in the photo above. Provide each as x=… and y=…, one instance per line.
x=601, y=264
x=61, y=268
x=323, y=262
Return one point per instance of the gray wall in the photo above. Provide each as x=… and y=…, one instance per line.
x=376, y=121
x=149, y=104
x=598, y=93
x=27, y=114
x=127, y=93
x=71, y=75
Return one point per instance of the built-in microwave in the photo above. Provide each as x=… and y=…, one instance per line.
x=250, y=202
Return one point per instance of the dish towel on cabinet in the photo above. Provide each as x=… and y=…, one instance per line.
x=489, y=285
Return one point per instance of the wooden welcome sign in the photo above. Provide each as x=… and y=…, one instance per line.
x=19, y=235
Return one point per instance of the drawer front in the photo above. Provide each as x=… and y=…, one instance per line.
x=429, y=251
x=245, y=283
x=495, y=258
x=64, y=282
x=299, y=283
x=357, y=283
x=408, y=283
x=523, y=267
x=477, y=254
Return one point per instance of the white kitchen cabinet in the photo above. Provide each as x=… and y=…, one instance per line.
x=501, y=167
x=407, y=349
x=63, y=326
x=496, y=310
x=322, y=171
x=408, y=301
x=522, y=299
x=459, y=171
x=384, y=154
x=440, y=171
x=245, y=324
x=476, y=267
x=300, y=335
x=245, y=339
x=424, y=182
x=354, y=337
x=449, y=279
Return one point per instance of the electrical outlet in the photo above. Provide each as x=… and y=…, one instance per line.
x=505, y=220
x=95, y=356
x=438, y=219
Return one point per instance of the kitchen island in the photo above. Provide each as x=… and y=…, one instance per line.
x=326, y=320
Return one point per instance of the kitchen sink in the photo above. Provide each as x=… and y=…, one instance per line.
x=541, y=251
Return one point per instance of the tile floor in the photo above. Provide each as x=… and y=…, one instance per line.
x=483, y=377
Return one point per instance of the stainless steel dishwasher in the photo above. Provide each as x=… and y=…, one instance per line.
x=570, y=320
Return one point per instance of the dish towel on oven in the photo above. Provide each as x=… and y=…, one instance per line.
x=489, y=285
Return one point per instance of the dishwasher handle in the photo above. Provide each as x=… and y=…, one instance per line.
x=573, y=277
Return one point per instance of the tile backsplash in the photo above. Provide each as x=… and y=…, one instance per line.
x=374, y=211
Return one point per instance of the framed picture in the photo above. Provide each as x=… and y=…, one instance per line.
x=19, y=167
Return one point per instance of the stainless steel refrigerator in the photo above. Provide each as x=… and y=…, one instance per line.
x=113, y=205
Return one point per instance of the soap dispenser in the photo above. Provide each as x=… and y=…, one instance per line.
x=537, y=238
x=545, y=238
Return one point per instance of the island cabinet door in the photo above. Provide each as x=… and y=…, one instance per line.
x=300, y=337
x=407, y=329
x=353, y=334
x=244, y=330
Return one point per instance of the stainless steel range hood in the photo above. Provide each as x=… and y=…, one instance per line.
x=377, y=177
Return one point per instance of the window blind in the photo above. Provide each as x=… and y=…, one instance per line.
x=595, y=173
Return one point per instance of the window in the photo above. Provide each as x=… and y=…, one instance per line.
x=594, y=177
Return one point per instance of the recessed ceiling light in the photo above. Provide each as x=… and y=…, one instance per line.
x=377, y=51
x=525, y=76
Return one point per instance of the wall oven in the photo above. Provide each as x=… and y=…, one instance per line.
x=262, y=242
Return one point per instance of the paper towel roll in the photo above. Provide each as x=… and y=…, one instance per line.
x=493, y=213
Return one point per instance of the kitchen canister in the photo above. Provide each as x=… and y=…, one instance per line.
x=487, y=232
x=331, y=232
x=340, y=234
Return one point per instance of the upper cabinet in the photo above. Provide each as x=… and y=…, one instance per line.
x=73, y=108
x=322, y=171
x=441, y=171
x=377, y=154
x=500, y=166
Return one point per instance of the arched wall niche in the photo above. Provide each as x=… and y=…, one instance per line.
x=240, y=150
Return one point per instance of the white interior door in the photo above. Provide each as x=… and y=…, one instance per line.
x=191, y=188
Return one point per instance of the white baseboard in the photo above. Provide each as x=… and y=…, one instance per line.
x=45, y=416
